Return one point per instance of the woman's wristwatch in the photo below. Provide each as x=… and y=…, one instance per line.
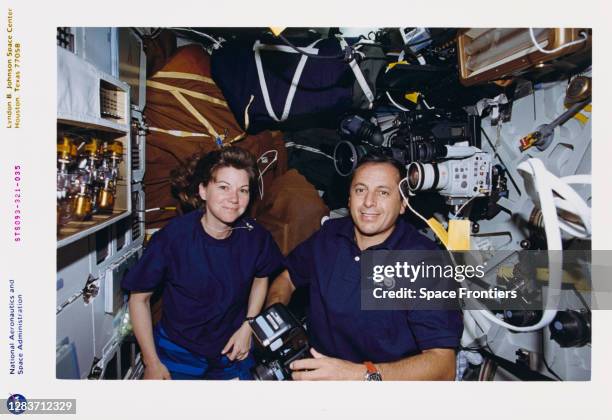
x=372, y=373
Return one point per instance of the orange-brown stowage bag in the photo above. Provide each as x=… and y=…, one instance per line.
x=291, y=210
x=165, y=152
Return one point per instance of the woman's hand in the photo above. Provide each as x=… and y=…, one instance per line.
x=156, y=371
x=239, y=344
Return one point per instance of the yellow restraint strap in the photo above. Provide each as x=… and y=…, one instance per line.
x=179, y=93
x=198, y=95
x=181, y=75
x=178, y=133
x=179, y=97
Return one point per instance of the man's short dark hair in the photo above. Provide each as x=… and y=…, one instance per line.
x=377, y=157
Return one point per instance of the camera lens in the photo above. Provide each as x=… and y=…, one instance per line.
x=426, y=151
x=360, y=129
x=264, y=373
x=345, y=158
x=347, y=155
x=423, y=176
x=420, y=176
x=414, y=176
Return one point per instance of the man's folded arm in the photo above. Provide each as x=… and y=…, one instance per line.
x=281, y=290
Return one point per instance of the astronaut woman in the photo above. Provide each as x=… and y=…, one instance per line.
x=214, y=265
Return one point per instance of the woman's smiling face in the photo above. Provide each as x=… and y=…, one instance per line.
x=227, y=194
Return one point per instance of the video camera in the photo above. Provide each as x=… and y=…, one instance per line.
x=440, y=148
x=284, y=340
x=412, y=136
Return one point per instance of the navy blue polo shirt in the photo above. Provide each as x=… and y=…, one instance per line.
x=206, y=281
x=328, y=262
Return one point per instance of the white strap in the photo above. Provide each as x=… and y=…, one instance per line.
x=565, y=198
x=285, y=48
x=294, y=83
x=246, y=113
x=577, y=179
x=359, y=75
x=262, y=82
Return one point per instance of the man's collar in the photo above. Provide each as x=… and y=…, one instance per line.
x=347, y=230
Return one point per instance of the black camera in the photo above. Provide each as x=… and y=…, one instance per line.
x=414, y=136
x=283, y=339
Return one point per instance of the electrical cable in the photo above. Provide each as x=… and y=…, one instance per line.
x=262, y=172
x=247, y=226
x=217, y=43
x=536, y=44
x=407, y=202
x=167, y=208
x=427, y=105
x=492, y=146
x=398, y=106
x=501, y=160
x=291, y=144
x=458, y=212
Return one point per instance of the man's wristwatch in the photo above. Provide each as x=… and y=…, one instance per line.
x=372, y=373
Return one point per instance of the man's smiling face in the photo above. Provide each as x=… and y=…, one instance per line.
x=375, y=202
